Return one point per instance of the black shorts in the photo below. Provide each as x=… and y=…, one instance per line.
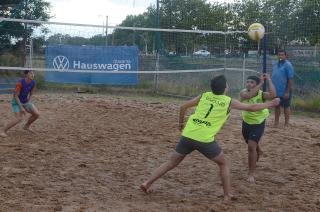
x=253, y=132
x=187, y=145
x=285, y=102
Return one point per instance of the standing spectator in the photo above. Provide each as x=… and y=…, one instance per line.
x=282, y=78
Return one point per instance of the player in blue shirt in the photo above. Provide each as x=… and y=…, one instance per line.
x=21, y=103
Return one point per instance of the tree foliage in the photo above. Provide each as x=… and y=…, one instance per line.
x=286, y=21
x=14, y=34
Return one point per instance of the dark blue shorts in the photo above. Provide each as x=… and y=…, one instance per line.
x=252, y=132
x=187, y=145
x=285, y=102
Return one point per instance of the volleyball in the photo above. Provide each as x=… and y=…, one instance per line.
x=256, y=31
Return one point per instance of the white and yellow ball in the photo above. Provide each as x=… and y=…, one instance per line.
x=256, y=31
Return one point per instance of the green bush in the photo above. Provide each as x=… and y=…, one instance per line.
x=310, y=104
x=9, y=59
x=39, y=77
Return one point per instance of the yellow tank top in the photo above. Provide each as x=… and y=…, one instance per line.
x=210, y=114
x=255, y=117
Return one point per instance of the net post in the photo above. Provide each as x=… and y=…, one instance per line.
x=264, y=65
x=158, y=48
x=243, y=70
x=156, y=74
x=225, y=53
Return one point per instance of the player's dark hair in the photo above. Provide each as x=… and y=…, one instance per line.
x=26, y=72
x=255, y=78
x=282, y=50
x=218, y=84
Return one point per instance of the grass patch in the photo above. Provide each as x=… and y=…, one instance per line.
x=310, y=104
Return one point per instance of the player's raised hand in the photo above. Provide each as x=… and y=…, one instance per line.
x=275, y=102
x=262, y=77
x=267, y=76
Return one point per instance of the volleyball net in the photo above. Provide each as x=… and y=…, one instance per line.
x=173, y=43
x=171, y=61
x=174, y=61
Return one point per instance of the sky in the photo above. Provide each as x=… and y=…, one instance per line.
x=95, y=11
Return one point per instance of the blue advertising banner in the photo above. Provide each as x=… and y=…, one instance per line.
x=65, y=59
x=8, y=84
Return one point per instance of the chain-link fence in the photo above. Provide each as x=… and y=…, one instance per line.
x=213, y=41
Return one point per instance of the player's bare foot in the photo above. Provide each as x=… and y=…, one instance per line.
x=144, y=188
x=28, y=130
x=251, y=179
x=3, y=134
x=229, y=197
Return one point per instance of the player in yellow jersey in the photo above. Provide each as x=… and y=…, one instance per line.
x=212, y=110
x=254, y=122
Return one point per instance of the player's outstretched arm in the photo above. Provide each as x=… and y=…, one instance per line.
x=271, y=91
x=235, y=104
x=184, y=107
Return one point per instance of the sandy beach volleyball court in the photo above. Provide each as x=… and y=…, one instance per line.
x=91, y=153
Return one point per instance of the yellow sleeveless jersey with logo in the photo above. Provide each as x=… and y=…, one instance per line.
x=255, y=117
x=209, y=116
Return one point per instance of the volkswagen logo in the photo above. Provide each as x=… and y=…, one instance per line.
x=61, y=63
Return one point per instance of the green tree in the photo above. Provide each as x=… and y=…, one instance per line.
x=306, y=20
x=178, y=14
x=135, y=37
x=16, y=35
x=67, y=39
x=285, y=21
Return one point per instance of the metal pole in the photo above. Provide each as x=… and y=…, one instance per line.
x=186, y=49
x=146, y=48
x=25, y=33
x=145, y=44
x=134, y=37
x=31, y=53
x=106, y=30
x=243, y=70
x=157, y=49
x=264, y=68
x=225, y=53
x=158, y=25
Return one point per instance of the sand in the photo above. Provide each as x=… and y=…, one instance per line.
x=92, y=152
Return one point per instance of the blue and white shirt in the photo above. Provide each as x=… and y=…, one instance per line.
x=282, y=71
